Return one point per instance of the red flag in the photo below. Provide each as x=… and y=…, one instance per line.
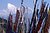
x=16, y=20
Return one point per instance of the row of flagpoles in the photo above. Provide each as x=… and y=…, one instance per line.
x=24, y=25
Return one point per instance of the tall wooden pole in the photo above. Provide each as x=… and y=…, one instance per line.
x=33, y=20
x=41, y=16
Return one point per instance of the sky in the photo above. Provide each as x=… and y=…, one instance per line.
x=7, y=6
x=29, y=3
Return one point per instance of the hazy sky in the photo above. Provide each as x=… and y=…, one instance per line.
x=17, y=3
x=29, y=3
x=11, y=4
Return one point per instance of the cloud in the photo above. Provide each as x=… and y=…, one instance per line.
x=3, y=13
x=11, y=8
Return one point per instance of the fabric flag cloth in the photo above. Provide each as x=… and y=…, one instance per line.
x=34, y=19
x=43, y=21
x=46, y=17
x=9, y=24
x=16, y=20
x=2, y=25
x=41, y=17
